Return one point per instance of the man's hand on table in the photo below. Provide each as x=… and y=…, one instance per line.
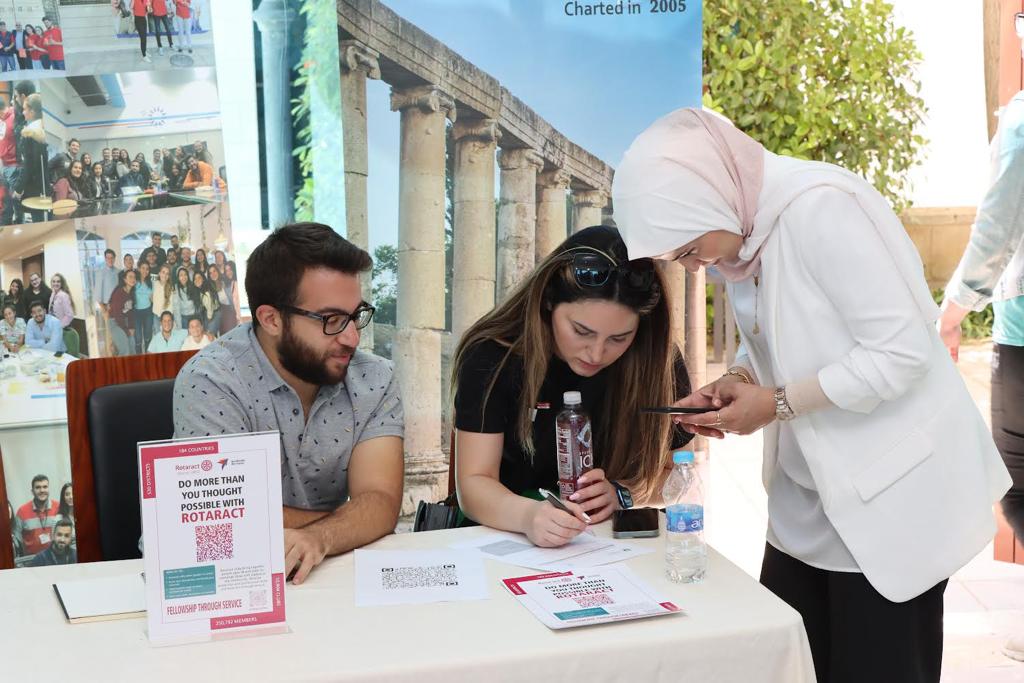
x=303, y=550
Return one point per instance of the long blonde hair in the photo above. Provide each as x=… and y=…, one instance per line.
x=632, y=446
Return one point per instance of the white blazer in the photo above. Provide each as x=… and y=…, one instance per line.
x=903, y=462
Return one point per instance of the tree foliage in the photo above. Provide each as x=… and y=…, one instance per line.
x=385, y=284
x=829, y=80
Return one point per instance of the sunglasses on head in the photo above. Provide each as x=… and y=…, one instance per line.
x=594, y=268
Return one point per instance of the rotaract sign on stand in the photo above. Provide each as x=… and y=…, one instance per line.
x=213, y=535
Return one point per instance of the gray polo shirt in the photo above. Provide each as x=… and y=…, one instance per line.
x=230, y=387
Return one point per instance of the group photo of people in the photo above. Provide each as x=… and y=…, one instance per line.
x=166, y=299
x=116, y=172
x=167, y=283
x=30, y=46
x=116, y=157
x=38, y=316
x=168, y=21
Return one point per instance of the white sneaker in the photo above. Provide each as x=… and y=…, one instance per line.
x=1014, y=648
x=146, y=58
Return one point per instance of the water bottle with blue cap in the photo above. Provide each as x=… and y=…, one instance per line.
x=686, y=553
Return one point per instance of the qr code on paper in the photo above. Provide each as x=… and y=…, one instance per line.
x=215, y=542
x=396, y=578
x=593, y=600
x=258, y=599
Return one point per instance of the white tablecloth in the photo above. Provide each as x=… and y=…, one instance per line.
x=24, y=398
x=733, y=630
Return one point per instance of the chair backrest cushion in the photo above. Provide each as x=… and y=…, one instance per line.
x=120, y=416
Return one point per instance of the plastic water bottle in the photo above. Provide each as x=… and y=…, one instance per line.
x=573, y=438
x=686, y=554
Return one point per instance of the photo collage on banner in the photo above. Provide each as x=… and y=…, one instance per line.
x=115, y=230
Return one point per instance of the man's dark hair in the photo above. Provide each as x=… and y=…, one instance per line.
x=109, y=251
x=166, y=313
x=276, y=267
x=74, y=140
x=189, y=159
x=38, y=478
x=35, y=303
x=25, y=88
x=64, y=521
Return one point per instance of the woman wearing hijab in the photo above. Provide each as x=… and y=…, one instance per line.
x=879, y=469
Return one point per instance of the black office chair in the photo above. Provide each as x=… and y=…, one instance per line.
x=114, y=403
x=120, y=416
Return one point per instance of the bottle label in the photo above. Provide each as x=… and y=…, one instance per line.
x=563, y=448
x=685, y=517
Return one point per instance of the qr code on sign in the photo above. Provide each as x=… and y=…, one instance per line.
x=258, y=599
x=593, y=600
x=215, y=542
x=396, y=578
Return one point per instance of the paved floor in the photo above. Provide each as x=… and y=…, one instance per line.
x=128, y=57
x=984, y=600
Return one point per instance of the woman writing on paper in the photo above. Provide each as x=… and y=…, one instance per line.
x=586, y=320
x=880, y=471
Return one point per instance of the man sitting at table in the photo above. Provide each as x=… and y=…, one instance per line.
x=134, y=178
x=296, y=369
x=34, y=521
x=199, y=173
x=44, y=330
x=60, y=550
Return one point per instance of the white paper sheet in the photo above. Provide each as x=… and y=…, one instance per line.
x=108, y=597
x=405, y=577
x=585, y=550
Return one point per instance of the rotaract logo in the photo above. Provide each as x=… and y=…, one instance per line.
x=207, y=466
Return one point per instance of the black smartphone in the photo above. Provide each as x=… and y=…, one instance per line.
x=676, y=410
x=635, y=523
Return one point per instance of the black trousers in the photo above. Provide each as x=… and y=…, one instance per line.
x=143, y=29
x=856, y=635
x=1008, y=426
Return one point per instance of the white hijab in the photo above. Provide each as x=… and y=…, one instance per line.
x=692, y=172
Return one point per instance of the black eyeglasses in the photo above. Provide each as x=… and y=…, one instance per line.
x=335, y=323
x=594, y=269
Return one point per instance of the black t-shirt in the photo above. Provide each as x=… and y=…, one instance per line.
x=500, y=414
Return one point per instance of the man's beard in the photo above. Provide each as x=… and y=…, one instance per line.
x=299, y=359
x=60, y=550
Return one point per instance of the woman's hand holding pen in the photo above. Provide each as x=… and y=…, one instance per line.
x=549, y=527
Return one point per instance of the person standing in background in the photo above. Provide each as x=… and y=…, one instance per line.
x=8, y=159
x=21, y=52
x=992, y=270
x=53, y=40
x=7, y=56
x=143, y=308
x=160, y=17
x=32, y=152
x=140, y=8
x=34, y=521
x=34, y=45
x=183, y=23
x=61, y=306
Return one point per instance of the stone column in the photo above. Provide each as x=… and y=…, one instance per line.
x=551, y=228
x=517, y=216
x=421, y=270
x=473, y=278
x=358, y=63
x=586, y=208
x=696, y=352
x=274, y=19
x=672, y=274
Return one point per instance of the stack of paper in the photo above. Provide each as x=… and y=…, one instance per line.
x=585, y=550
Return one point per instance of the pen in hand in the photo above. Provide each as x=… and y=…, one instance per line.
x=553, y=499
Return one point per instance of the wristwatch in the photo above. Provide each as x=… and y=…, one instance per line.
x=783, y=411
x=623, y=494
